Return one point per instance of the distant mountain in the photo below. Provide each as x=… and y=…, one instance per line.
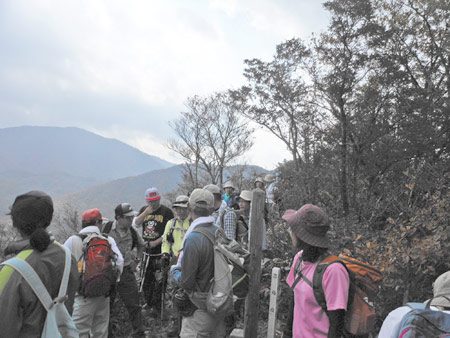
x=64, y=160
x=130, y=189
x=73, y=151
x=13, y=183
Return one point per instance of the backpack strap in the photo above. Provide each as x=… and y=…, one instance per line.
x=211, y=238
x=33, y=279
x=300, y=275
x=173, y=225
x=428, y=302
x=416, y=306
x=207, y=233
x=82, y=236
x=107, y=228
x=244, y=220
x=65, y=280
x=134, y=237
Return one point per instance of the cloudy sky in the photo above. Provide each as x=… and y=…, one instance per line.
x=123, y=69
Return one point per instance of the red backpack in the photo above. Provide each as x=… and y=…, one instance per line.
x=98, y=266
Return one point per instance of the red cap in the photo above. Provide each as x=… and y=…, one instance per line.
x=91, y=216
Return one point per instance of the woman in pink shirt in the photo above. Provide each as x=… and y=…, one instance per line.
x=308, y=230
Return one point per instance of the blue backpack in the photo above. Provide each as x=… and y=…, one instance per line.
x=422, y=322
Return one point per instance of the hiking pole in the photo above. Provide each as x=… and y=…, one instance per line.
x=143, y=270
x=163, y=289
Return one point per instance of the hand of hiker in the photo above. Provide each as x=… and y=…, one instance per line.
x=133, y=265
x=165, y=260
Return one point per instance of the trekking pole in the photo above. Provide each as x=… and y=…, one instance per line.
x=163, y=290
x=143, y=271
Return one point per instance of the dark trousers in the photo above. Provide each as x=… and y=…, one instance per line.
x=127, y=289
x=153, y=283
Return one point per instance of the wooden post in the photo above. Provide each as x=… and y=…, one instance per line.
x=256, y=236
x=273, y=307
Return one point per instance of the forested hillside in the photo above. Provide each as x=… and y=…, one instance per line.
x=364, y=110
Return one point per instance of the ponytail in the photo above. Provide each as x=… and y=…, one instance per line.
x=40, y=239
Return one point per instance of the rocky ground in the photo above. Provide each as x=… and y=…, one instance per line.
x=158, y=329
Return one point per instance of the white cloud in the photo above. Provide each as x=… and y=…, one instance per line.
x=267, y=151
x=108, y=63
x=273, y=17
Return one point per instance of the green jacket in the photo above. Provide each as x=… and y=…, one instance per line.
x=179, y=230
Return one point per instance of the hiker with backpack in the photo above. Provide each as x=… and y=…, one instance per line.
x=172, y=239
x=38, y=285
x=308, y=231
x=100, y=264
x=430, y=319
x=243, y=216
x=224, y=216
x=127, y=238
x=229, y=197
x=195, y=268
x=153, y=218
x=219, y=203
x=175, y=230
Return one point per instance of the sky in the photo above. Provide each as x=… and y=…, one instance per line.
x=124, y=69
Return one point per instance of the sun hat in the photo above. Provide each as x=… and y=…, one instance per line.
x=212, y=188
x=441, y=290
x=228, y=184
x=310, y=224
x=181, y=202
x=269, y=178
x=152, y=194
x=259, y=179
x=246, y=195
x=125, y=209
x=201, y=198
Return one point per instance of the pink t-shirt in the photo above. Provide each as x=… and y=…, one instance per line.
x=309, y=318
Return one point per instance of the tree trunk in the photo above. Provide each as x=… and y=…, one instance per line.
x=344, y=183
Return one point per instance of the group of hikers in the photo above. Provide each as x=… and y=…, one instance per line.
x=139, y=252
x=157, y=247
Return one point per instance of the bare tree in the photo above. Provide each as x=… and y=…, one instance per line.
x=7, y=235
x=65, y=223
x=211, y=137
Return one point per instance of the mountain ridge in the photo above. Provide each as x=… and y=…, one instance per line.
x=72, y=150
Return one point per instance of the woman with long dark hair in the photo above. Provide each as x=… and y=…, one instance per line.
x=21, y=312
x=308, y=229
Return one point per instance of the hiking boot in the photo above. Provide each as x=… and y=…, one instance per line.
x=152, y=312
x=172, y=334
x=173, y=331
